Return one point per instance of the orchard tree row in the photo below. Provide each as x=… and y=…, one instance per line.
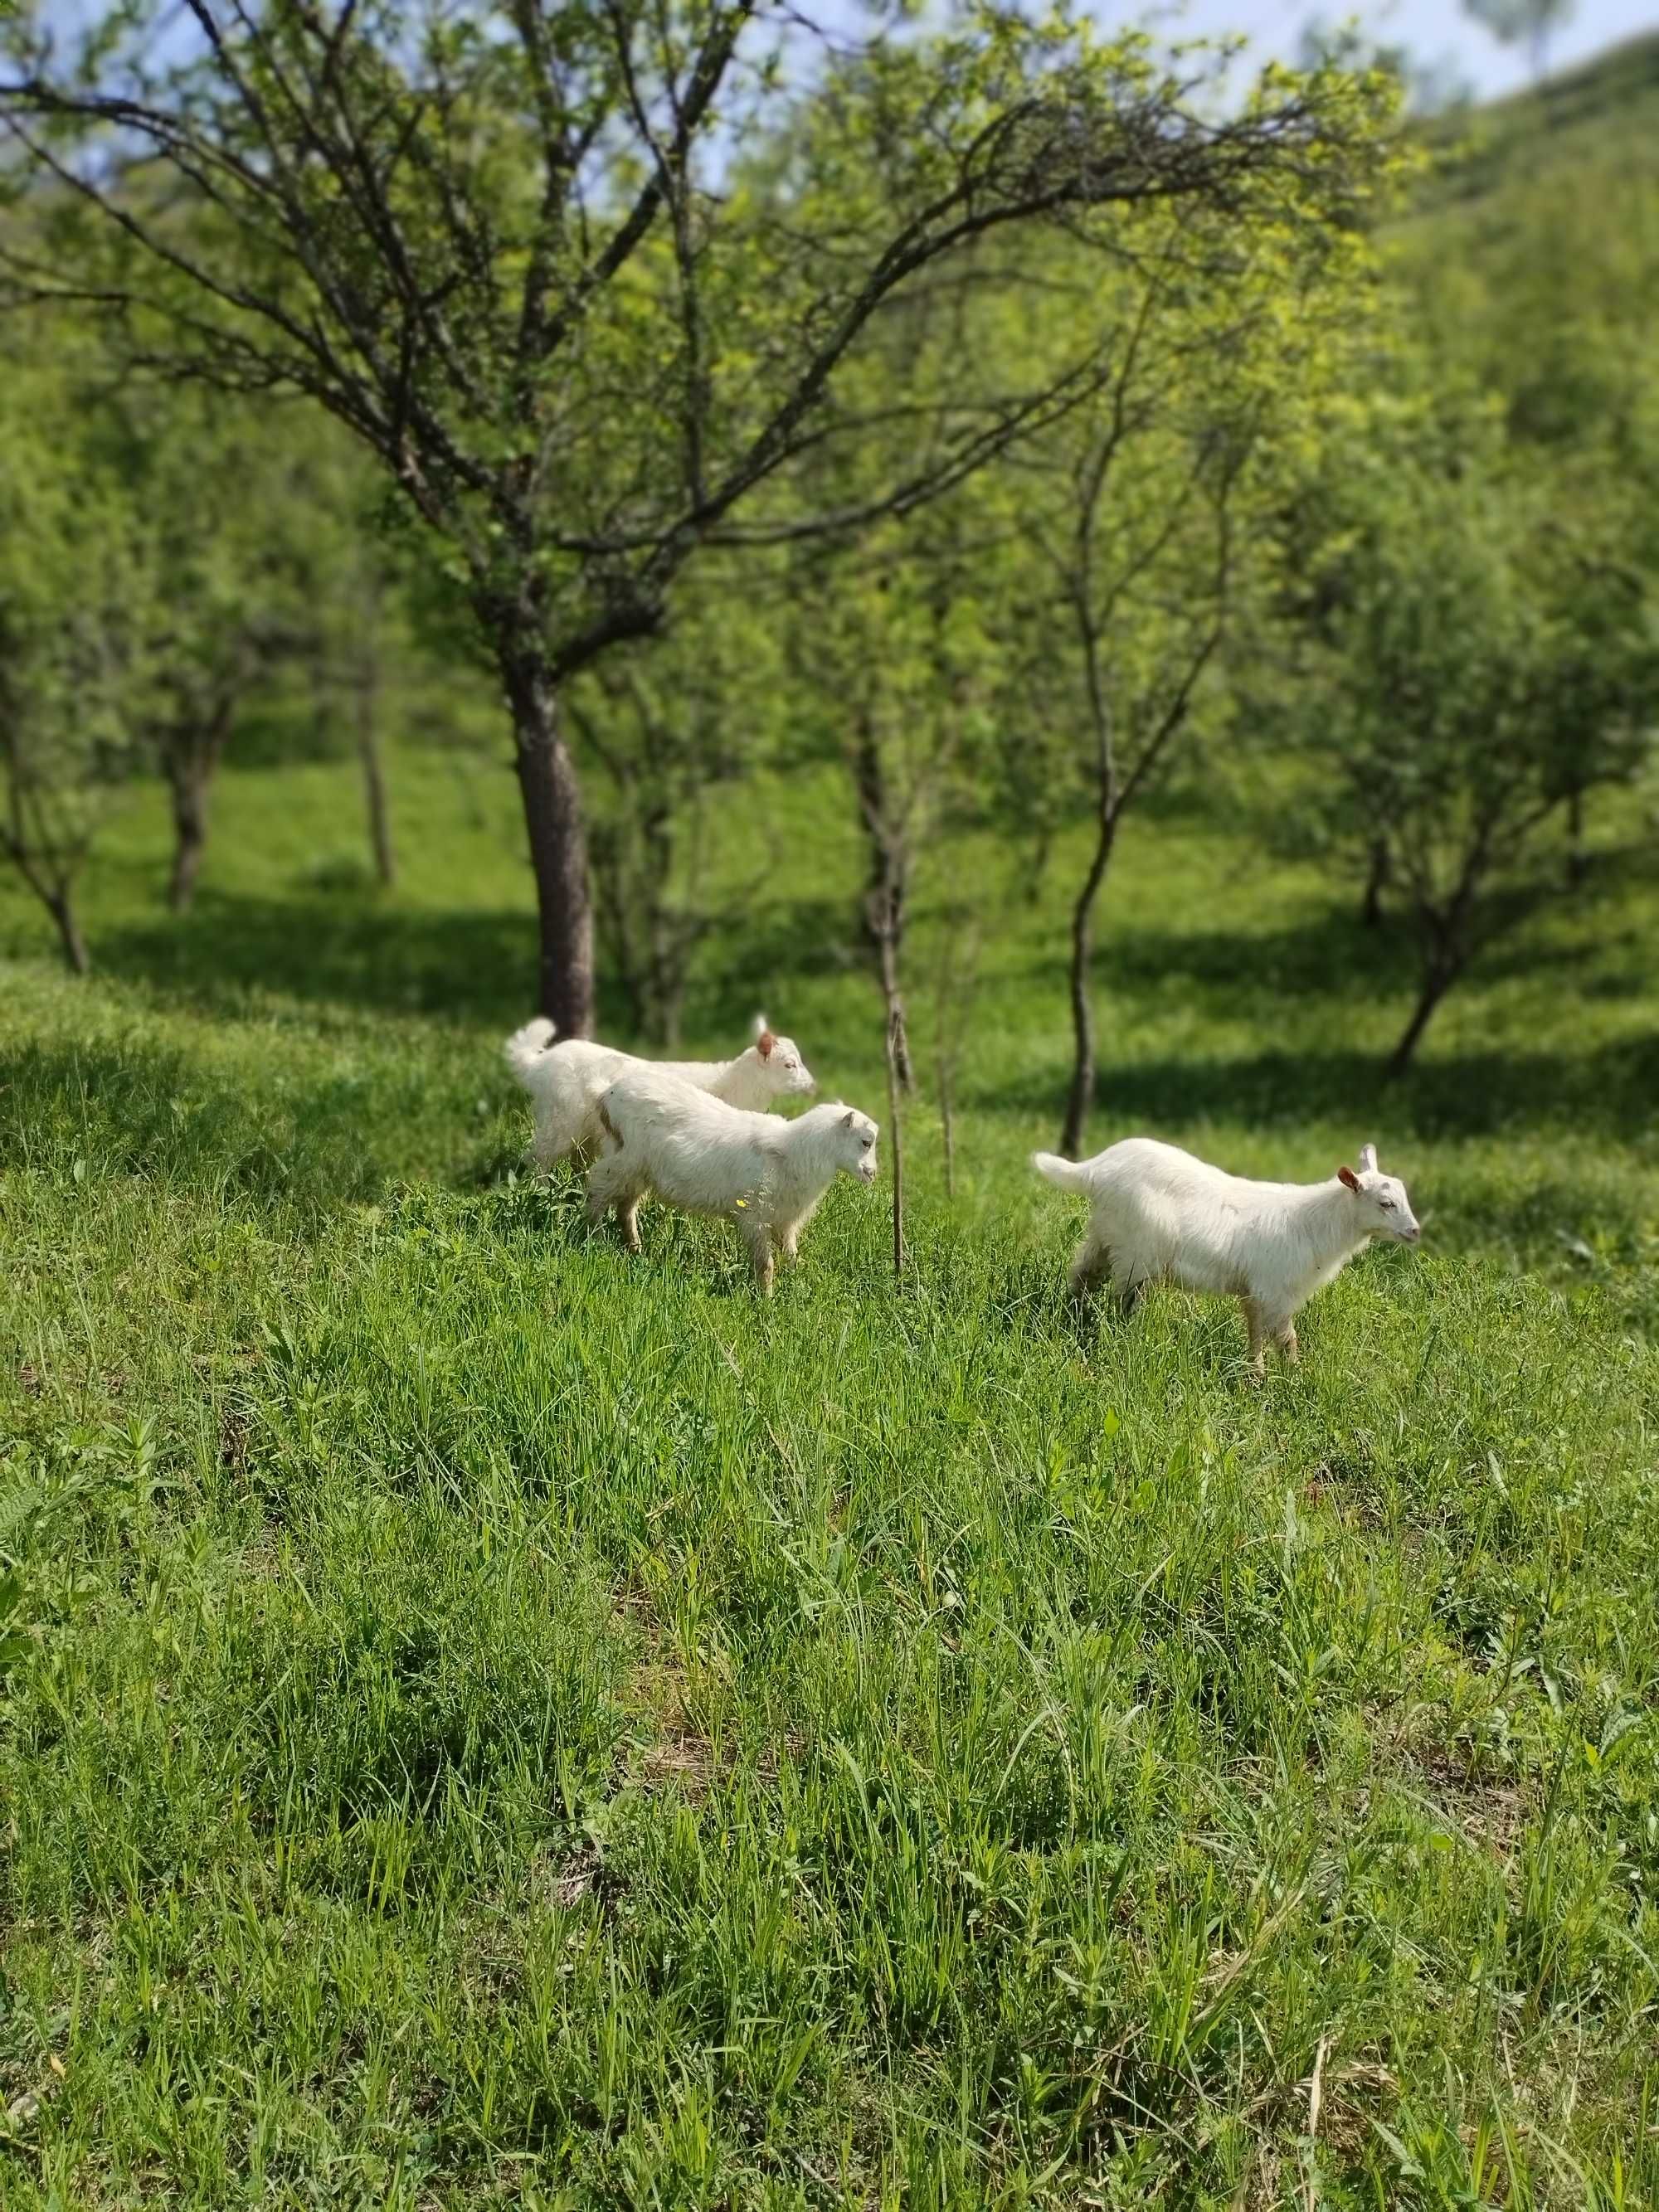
x=1007, y=418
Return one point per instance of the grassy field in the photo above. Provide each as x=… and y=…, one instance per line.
x=488, y=1721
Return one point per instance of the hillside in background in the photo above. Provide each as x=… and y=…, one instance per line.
x=1601, y=116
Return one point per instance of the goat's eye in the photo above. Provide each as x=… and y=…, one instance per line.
x=1387, y=1205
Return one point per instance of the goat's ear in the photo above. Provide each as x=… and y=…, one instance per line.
x=1368, y=1159
x=1347, y=1176
x=764, y=1042
x=761, y=1027
x=848, y=1118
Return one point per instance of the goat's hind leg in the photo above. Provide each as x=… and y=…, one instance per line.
x=1090, y=1267
x=609, y=1182
x=1257, y=1326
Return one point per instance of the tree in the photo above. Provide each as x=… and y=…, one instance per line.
x=73, y=590
x=1147, y=582
x=898, y=669
x=355, y=573
x=582, y=277
x=230, y=534
x=1547, y=301
x=1467, y=671
x=1427, y=88
x=664, y=729
x=1132, y=508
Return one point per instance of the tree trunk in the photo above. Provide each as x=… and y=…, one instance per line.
x=885, y=928
x=1081, y=1097
x=60, y=906
x=886, y=895
x=896, y=1134
x=1377, y=881
x=1042, y=846
x=368, y=753
x=558, y=843
x=191, y=752
x=948, y=1126
x=1437, y=981
x=1577, y=857
x=189, y=780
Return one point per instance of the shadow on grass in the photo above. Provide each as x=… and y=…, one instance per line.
x=1612, y=1089
x=102, y=1111
x=352, y=949
x=780, y=942
x=1328, y=954
x=344, y=949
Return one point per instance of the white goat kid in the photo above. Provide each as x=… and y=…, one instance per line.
x=567, y=1081
x=1157, y=1215
x=765, y=1174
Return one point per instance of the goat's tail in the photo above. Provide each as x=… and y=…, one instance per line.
x=1066, y=1173
x=526, y=1047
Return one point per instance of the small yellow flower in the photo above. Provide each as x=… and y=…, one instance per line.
x=743, y=1203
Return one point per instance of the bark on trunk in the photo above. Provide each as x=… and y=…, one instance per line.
x=1435, y=984
x=1577, y=857
x=368, y=753
x=885, y=928
x=896, y=1135
x=1371, y=910
x=948, y=1127
x=1080, y=1097
x=886, y=895
x=189, y=797
x=558, y=844
x=60, y=906
x=191, y=753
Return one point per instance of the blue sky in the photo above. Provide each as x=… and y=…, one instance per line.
x=1433, y=29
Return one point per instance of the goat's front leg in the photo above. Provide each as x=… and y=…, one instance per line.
x=759, y=1241
x=787, y=1239
x=627, y=1221
x=1255, y=1322
x=1285, y=1339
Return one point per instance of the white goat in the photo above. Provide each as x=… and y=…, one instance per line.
x=1157, y=1215
x=765, y=1174
x=567, y=1081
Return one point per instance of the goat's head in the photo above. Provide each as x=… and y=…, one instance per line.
x=853, y=1136
x=1385, y=1210
x=786, y=1072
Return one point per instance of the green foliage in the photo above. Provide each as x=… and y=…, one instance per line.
x=668, y=734
x=75, y=585
x=491, y=229
x=1471, y=668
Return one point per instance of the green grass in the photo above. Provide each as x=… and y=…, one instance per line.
x=487, y=1720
